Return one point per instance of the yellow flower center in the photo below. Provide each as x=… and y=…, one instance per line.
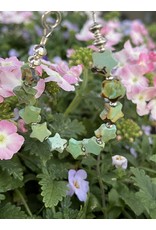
x=76, y=184
x=9, y=63
x=2, y=138
x=119, y=158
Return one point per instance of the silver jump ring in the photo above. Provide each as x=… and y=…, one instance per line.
x=48, y=25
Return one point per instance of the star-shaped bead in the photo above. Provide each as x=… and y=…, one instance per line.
x=30, y=114
x=75, y=148
x=106, y=133
x=40, y=131
x=104, y=60
x=92, y=145
x=112, y=113
x=57, y=143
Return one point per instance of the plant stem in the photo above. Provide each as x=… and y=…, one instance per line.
x=79, y=94
x=24, y=202
x=101, y=185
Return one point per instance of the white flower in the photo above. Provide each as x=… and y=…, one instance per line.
x=119, y=161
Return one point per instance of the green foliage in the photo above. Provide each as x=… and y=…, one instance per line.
x=52, y=191
x=66, y=127
x=10, y=211
x=147, y=191
x=13, y=167
x=8, y=182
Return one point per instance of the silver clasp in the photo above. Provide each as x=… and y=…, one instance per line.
x=48, y=26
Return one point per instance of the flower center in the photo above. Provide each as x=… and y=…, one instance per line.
x=2, y=138
x=3, y=64
x=119, y=158
x=76, y=184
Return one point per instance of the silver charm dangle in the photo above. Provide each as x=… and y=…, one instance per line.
x=99, y=41
x=40, y=50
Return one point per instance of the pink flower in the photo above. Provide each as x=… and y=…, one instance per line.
x=21, y=126
x=18, y=17
x=138, y=32
x=40, y=87
x=152, y=107
x=78, y=184
x=60, y=73
x=10, y=140
x=10, y=76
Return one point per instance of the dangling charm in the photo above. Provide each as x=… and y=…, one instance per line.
x=40, y=50
x=112, y=89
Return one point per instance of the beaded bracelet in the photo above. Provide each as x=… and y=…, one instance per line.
x=112, y=92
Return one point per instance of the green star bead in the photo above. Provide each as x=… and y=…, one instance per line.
x=106, y=133
x=30, y=114
x=40, y=131
x=92, y=146
x=57, y=143
x=104, y=60
x=112, y=113
x=75, y=148
x=113, y=90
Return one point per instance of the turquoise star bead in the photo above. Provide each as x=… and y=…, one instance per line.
x=57, y=143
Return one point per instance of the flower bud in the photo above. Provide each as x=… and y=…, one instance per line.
x=119, y=161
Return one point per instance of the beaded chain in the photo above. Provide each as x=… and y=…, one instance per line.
x=112, y=91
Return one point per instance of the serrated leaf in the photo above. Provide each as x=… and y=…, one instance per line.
x=37, y=148
x=10, y=211
x=153, y=158
x=144, y=182
x=13, y=167
x=132, y=201
x=57, y=170
x=25, y=94
x=8, y=182
x=147, y=190
x=66, y=127
x=52, y=191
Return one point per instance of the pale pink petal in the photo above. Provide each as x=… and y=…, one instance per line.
x=21, y=126
x=8, y=127
x=5, y=154
x=15, y=142
x=40, y=87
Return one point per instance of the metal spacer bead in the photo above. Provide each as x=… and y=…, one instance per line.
x=83, y=149
x=99, y=141
x=108, y=125
x=113, y=104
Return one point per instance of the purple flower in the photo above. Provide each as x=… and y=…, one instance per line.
x=78, y=184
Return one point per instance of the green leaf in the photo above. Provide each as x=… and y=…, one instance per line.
x=132, y=201
x=52, y=191
x=2, y=197
x=147, y=190
x=13, y=167
x=37, y=148
x=30, y=114
x=153, y=158
x=40, y=131
x=25, y=94
x=57, y=169
x=66, y=127
x=10, y=211
x=8, y=182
